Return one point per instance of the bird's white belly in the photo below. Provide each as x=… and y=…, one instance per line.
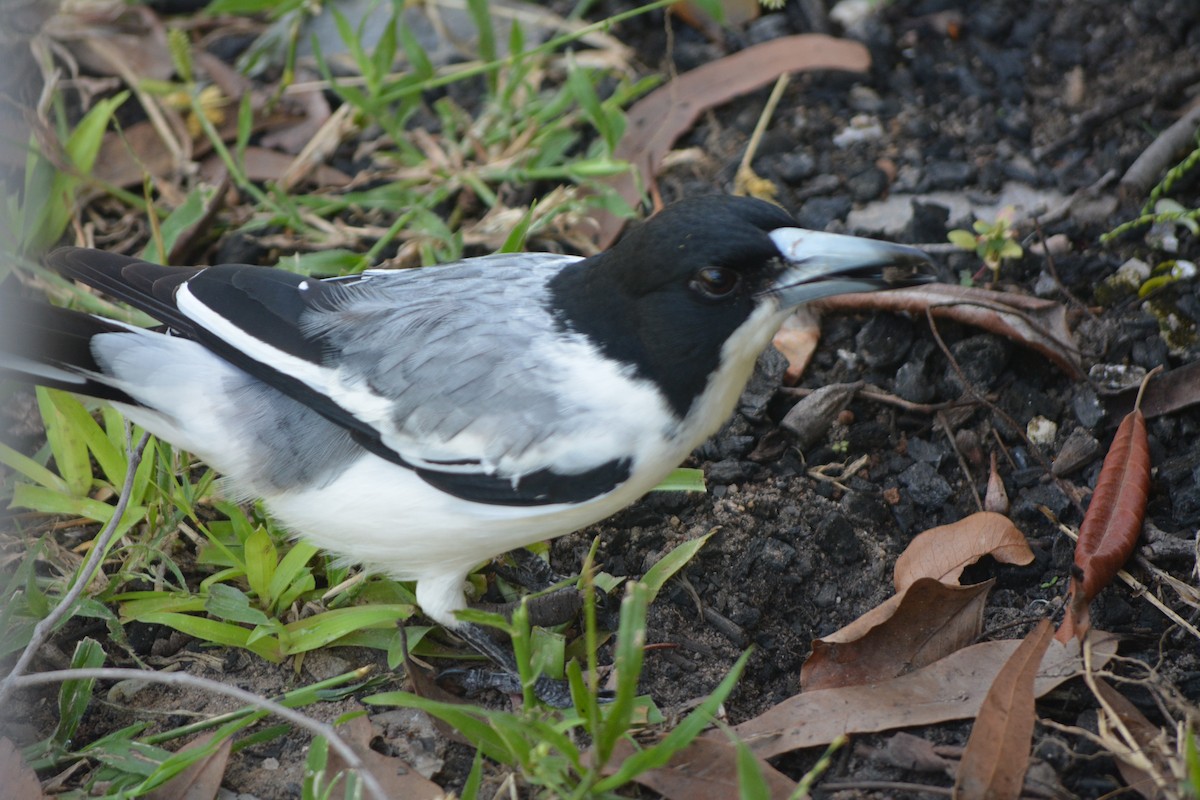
x=385, y=517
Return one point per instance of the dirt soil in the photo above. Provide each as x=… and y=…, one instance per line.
x=972, y=101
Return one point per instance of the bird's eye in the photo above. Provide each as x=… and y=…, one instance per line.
x=715, y=282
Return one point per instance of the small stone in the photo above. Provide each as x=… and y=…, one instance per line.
x=922, y=450
x=982, y=360
x=1088, y=409
x=925, y=486
x=776, y=556
x=884, y=340
x=862, y=128
x=837, y=538
x=795, y=168
x=949, y=174
x=1079, y=449
x=867, y=185
x=865, y=99
x=818, y=212
x=1041, y=431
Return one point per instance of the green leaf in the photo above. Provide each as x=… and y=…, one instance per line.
x=464, y=719
x=66, y=442
x=580, y=83
x=329, y=626
x=962, y=239
x=752, y=785
x=232, y=605
x=49, y=501
x=260, y=559
x=627, y=662
x=24, y=465
x=53, y=191
x=324, y=263
x=515, y=241
x=190, y=212
x=679, y=737
x=112, y=460
x=657, y=576
x=683, y=479
x=74, y=695
x=214, y=632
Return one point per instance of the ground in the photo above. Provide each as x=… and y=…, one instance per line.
x=1052, y=98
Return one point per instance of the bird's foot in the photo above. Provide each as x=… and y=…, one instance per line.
x=554, y=693
x=507, y=678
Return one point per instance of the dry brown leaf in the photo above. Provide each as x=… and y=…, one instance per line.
x=201, y=780
x=925, y=623
x=1038, y=324
x=19, y=781
x=797, y=340
x=704, y=770
x=994, y=763
x=397, y=778
x=996, y=497
x=953, y=688
x=810, y=419
x=945, y=551
x=661, y=117
x=1168, y=393
x=93, y=30
x=262, y=164
x=909, y=752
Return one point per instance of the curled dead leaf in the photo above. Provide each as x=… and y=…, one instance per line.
x=945, y=551
x=926, y=622
x=1040, y=325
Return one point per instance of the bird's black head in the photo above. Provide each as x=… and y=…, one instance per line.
x=702, y=273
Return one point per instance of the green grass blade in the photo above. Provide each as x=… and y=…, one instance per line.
x=657, y=576
x=74, y=695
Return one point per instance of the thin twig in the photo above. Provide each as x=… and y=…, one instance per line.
x=944, y=424
x=46, y=626
x=1139, y=588
x=184, y=679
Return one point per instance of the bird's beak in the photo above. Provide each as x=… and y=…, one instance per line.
x=824, y=264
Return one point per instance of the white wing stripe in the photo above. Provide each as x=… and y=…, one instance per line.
x=362, y=404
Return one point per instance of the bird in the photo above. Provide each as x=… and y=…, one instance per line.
x=420, y=422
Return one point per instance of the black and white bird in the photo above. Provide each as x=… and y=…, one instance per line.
x=420, y=422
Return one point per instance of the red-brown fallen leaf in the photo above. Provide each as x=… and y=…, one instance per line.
x=926, y=622
x=704, y=770
x=396, y=777
x=661, y=117
x=19, y=781
x=997, y=756
x=1114, y=517
x=1038, y=324
x=953, y=688
x=202, y=779
x=945, y=551
x=1113, y=523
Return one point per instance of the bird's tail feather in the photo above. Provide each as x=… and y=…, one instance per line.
x=50, y=346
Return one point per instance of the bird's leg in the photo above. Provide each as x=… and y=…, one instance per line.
x=545, y=610
x=508, y=678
